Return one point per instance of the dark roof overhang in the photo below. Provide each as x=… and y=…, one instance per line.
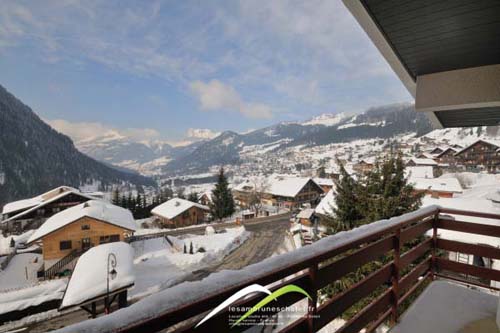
x=446, y=53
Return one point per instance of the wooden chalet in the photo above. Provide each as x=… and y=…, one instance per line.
x=66, y=235
x=480, y=156
x=22, y=215
x=178, y=212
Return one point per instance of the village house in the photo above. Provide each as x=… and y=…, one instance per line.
x=326, y=183
x=437, y=187
x=30, y=213
x=421, y=162
x=363, y=166
x=447, y=157
x=243, y=194
x=205, y=198
x=67, y=234
x=306, y=217
x=178, y=212
x=292, y=192
x=419, y=172
x=480, y=156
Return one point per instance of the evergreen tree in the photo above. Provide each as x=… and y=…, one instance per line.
x=388, y=192
x=139, y=208
x=116, y=197
x=222, y=204
x=185, y=249
x=191, y=248
x=347, y=213
x=123, y=201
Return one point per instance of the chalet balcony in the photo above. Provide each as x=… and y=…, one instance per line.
x=414, y=287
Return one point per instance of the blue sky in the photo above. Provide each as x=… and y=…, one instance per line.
x=166, y=69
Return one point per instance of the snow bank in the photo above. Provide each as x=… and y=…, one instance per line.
x=21, y=271
x=158, y=265
x=5, y=241
x=23, y=298
x=91, y=272
x=187, y=292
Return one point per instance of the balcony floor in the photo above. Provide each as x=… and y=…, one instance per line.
x=447, y=307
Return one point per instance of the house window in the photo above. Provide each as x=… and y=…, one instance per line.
x=85, y=227
x=109, y=239
x=65, y=245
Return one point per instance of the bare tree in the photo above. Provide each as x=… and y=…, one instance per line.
x=260, y=187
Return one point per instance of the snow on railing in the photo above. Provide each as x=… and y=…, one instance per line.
x=205, y=294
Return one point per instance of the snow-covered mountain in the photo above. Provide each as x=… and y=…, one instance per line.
x=229, y=147
x=147, y=156
x=156, y=157
x=35, y=158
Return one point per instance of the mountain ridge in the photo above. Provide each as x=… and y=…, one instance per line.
x=35, y=158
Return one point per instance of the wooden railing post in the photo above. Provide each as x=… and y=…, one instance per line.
x=396, y=276
x=434, y=246
x=313, y=292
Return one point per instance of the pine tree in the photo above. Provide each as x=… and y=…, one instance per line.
x=116, y=197
x=388, y=192
x=139, y=208
x=191, y=248
x=222, y=204
x=123, y=201
x=185, y=249
x=346, y=212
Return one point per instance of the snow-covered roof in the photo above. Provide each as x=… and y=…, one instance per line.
x=494, y=143
x=96, y=209
x=323, y=181
x=287, y=186
x=40, y=201
x=325, y=205
x=305, y=213
x=423, y=171
x=31, y=202
x=446, y=150
x=174, y=207
x=437, y=184
x=423, y=161
x=88, y=280
x=245, y=186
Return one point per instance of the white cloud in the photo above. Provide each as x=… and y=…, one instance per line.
x=82, y=131
x=217, y=96
x=201, y=133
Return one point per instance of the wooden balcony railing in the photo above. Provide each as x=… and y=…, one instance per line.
x=416, y=257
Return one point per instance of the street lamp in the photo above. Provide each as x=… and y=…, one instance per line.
x=110, y=273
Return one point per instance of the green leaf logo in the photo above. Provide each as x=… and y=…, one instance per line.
x=291, y=288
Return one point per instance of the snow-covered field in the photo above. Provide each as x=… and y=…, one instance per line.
x=159, y=265
x=32, y=296
x=21, y=271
